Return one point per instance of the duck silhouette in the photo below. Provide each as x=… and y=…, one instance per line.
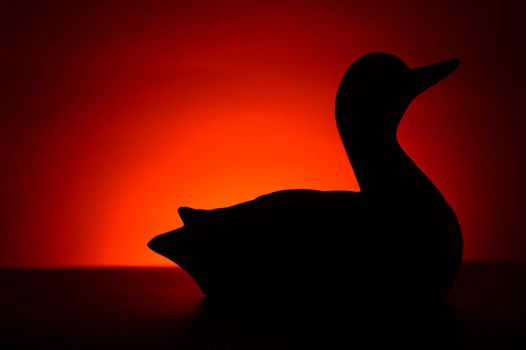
x=396, y=242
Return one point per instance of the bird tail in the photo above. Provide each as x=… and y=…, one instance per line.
x=188, y=215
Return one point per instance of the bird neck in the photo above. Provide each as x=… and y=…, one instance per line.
x=381, y=166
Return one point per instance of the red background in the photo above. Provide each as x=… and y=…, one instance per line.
x=115, y=114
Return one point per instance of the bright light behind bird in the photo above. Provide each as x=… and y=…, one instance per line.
x=113, y=117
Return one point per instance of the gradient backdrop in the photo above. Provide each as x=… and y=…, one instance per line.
x=113, y=114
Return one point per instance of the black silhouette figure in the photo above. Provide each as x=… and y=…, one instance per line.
x=395, y=243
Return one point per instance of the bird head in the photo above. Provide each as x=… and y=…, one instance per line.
x=378, y=87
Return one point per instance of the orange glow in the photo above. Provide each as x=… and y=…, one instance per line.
x=115, y=117
x=214, y=162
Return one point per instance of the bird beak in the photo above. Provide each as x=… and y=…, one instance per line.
x=427, y=76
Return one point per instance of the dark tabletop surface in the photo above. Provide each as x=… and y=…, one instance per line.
x=150, y=308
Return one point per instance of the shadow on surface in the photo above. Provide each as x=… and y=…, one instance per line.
x=153, y=308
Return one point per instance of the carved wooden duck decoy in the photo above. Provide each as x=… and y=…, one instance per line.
x=397, y=241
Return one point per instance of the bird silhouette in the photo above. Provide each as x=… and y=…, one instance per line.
x=396, y=242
